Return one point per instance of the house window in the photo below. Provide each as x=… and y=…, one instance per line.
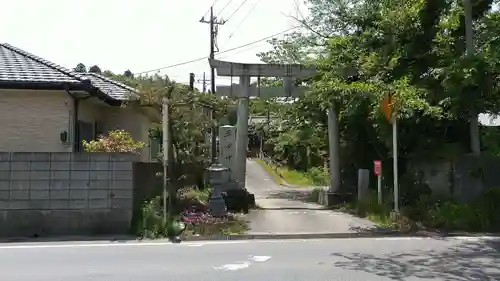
x=98, y=130
x=85, y=131
x=154, y=148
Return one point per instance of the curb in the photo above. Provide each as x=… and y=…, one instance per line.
x=257, y=236
x=285, y=236
x=43, y=239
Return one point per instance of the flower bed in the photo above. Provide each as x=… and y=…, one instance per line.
x=203, y=223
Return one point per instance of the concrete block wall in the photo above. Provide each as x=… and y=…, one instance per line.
x=65, y=193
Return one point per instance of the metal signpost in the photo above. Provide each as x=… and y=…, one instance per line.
x=388, y=107
x=377, y=169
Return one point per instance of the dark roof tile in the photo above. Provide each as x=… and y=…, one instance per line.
x=17, y=65
x=112, y=88
x=20, y=66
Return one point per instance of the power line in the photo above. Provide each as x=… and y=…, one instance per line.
x=221, y=52
x=241, y=22
x=213, y=4
x=223, y=8
x=237, y=9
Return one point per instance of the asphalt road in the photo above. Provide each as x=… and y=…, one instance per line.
x=360, y=259
x=286, y=210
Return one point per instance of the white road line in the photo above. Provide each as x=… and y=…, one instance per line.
x=259, y=258
x=129, y=244
x=233, y=267
x=242, y=265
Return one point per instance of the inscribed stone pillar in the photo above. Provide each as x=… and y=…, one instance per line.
x=227, y=148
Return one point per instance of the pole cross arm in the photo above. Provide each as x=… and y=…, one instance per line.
x=225, y=68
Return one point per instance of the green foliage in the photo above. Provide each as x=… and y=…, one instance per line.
x=115, y=141
x=190, y=113
x=480, y=215
x=364, y=50
x=315, y=176
x=152, y=225
x=318, y=176
x=80, y=68
x=95, y=69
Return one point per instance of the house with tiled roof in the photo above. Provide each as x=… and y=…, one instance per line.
x=45, y=107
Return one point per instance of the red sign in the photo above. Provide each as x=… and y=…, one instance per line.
x=377, y=167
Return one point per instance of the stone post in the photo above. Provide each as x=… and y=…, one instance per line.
x=363, y=183
x=216, y=203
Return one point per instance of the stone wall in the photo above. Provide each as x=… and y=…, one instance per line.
x=460, y=177
x=65, y=193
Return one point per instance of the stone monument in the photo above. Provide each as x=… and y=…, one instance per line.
x=227, y=150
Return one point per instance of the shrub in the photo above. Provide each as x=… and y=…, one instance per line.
x=116, y=141
x=479, y=215
x=318, y=176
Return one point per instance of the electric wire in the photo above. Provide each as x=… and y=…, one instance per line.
x=223, y=8
x=237, y=9
x=221, y=52
x=241, y=22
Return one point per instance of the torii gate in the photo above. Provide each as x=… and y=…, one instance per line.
x=289, y=72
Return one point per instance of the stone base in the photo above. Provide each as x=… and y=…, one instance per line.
x=239, y=200
x=328, y=198
x=230, y=185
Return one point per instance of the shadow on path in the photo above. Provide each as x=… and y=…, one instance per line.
x=303, y=195
x=472, y=261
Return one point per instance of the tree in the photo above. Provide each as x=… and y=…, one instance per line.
x=80, y=68
x=116, y=141
x=365, y=49
x=128, y=74
x=95, y=69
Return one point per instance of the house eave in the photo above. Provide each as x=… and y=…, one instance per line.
x=40, y=85
x=62, y=86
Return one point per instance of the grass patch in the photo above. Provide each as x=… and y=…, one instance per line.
x=271, y=171
x=433, y=214
x=282, y=175
x=295, y=177
x=380, y=215
x=370, y=209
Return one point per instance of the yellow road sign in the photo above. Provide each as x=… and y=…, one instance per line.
x=387, y=106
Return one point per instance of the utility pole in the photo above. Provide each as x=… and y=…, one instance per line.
x=191, y=81
x=204, y=83
x=469, y=45
x=168, y=191
x=214, y=22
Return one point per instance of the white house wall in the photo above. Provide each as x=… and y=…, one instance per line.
x=33, y=120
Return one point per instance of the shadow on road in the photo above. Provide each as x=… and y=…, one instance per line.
x=303, y=195
x=477, y=261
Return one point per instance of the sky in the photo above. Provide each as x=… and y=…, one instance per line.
x=142, y=35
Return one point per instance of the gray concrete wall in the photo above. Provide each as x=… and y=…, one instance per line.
x=65, y=193
x=459, y=177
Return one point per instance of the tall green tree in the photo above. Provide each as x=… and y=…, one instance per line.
x=80, y=68
x=414, y=48
x=95, y=69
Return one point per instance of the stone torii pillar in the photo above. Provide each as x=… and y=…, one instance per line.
x=244, y=90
